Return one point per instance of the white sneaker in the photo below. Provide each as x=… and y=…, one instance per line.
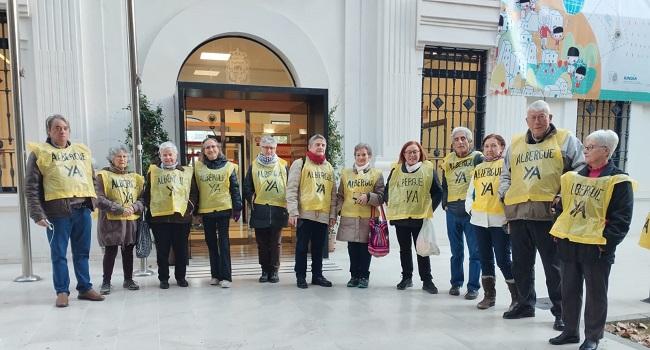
x=225, y=284
x=214, y=282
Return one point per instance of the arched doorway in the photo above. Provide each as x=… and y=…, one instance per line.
x=239, y=89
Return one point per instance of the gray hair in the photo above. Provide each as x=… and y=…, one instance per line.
x=468, y=133
x=361, y=146
x=115, y=150
x=167, y=145
x=607, y=138
x=539, y=106
x=316, y=137
x=50, y=120
x=268, y=140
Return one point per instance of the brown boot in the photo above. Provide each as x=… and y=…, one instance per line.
x=514, y=294
x=61, y=300
x=90, y=294
x=489, y=293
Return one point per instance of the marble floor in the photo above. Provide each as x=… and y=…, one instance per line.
x=251, y=315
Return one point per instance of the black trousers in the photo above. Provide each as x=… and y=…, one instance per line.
x=217, y=238
x=269, y=244
x=527, y=238
x=316, y=233
x=595, y=275
x=168, y=236
x=359, y=259
x=405, y=235
x=110, y=253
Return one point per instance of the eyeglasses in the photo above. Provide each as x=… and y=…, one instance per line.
x=591, y=147
x=411, y=153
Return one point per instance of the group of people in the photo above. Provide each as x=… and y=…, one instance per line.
x=546, y=192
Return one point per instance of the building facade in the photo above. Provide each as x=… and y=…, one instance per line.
x=396, y=70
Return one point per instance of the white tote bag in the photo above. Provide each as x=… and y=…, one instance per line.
x=426, y=243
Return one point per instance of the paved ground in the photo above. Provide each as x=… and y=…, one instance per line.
x=255, y=316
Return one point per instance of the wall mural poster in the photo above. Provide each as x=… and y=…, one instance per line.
x=588, y=49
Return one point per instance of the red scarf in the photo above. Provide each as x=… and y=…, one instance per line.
x=315, y=158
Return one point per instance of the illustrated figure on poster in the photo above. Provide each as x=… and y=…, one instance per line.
x=572, y=56
x=579, y=75
x=558, y=35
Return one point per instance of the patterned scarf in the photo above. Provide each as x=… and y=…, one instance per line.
x=264, y=160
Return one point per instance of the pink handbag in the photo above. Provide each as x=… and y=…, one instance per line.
x=378, y=243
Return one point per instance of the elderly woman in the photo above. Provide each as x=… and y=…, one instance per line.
x=597, y=209
x=361, y=188
x=60, y=193
x=120, y=206
x=488, y=219
x=219, y=200
x=265, y=188
x=412, y=193
x=457, y=170
x=170, y=194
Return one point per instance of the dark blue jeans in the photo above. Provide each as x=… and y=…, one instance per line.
x=316, y=233
x=456, y=225
x=494, y=242
x=76, y=229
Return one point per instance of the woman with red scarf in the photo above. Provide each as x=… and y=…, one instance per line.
x=311, y=202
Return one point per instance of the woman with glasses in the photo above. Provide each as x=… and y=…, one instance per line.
x=412, y=193
x=219, y=201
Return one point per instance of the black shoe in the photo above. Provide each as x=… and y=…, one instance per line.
x=164, y=285
x=519, y=312
x=353, y=282
x=105, y=289
x=264, y=278
x=363, y=282
x=406, y=282
x=182, y=283
x=471, y=294
x=302, y=283
x=429, y=287
x=130, y=285
x=274, y=278
x=558, y=325
x=455, y=291
x=564, y=338
x=588, y=345
x=321, y=281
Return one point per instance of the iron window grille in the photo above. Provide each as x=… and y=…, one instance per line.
x=7, y=141
x=614, y=115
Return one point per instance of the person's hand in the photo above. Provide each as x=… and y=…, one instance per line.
x=362, y=199
x=236, y=214
x=42, y=222
x=293, y=220
x=128, y=211
x=555, y=203
x=332, y=222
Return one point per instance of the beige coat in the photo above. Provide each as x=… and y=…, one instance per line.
x=293, y=195
x=357, y=229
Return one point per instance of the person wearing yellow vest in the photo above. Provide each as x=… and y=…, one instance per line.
x=311, y=202
x=120, y=205
x=529, y=182
x=488, y=219
x=170, y=194
x=457, y=168
x=219, y=201
x=265, y=188
x=412, y=193
x=361, y=188
x=644, y=239
x=60, y=193
x=597, y=204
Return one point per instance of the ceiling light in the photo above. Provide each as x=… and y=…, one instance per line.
x=302, y=131
x=210, y=73
x=215, y=56
x=280, y=122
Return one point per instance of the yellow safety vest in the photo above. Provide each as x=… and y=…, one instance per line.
x=67, y=172
x=316, y=182
x=170, y=190
x=123, y=189
x=584, y=203
x=214, y=187
x=486, y=185
x=458, y=172
x=409, y=194
x=356, y=184
x=535, y=169
x=644, y=241
x=270, y=183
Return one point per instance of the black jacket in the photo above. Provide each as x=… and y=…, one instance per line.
x=619, y=216
x=436, y=197
x=235, y=197
x=263, y=215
